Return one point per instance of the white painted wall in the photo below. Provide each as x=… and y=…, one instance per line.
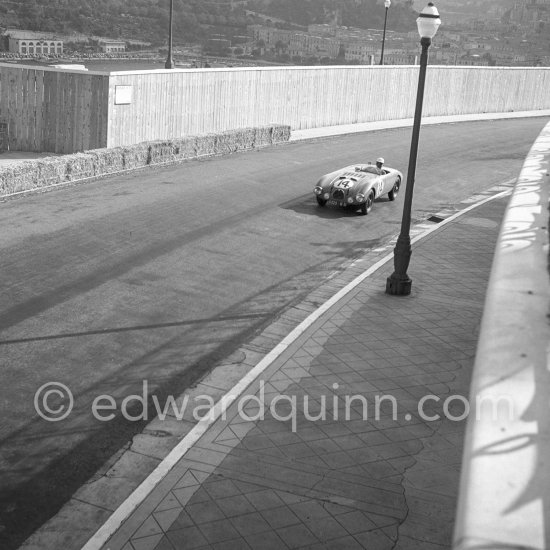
x=175, y=103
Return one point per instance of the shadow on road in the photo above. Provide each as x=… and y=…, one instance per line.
x=35, y=487
x=306, y=204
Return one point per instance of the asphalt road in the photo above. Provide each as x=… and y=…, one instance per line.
x=160, y=274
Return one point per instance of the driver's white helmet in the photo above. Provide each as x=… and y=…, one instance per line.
x=380, y=159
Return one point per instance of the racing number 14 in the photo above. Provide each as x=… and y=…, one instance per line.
x=343, y=184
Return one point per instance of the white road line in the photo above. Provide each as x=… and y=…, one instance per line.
x=109, y=528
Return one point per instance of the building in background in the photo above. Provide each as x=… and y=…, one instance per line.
x=112, y=46
x=32, y=43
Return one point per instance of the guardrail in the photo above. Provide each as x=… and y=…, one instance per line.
x=504, y=499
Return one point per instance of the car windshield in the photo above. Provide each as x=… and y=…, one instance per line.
x=371, y=170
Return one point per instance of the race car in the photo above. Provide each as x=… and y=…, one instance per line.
x=357, y=186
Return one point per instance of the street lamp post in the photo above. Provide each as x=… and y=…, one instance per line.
x=387, y=4
x=169, y=61
x=399, y=282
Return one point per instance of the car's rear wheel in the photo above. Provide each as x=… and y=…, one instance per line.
x=321, y=202
x=366, y=207
x=395, y=190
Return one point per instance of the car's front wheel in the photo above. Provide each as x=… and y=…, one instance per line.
x=366, y=207
x=395, y=190
x=321, y=202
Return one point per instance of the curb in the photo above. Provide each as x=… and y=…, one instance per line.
x=330, y=131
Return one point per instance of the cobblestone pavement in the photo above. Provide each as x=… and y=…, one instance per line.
x=327, y=477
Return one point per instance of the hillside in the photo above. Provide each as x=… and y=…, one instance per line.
x=353, y=13
x=194, y=20
x=137, y=19
x=471, y=9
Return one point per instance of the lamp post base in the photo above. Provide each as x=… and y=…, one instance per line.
x=169, y=64
x=398, y=287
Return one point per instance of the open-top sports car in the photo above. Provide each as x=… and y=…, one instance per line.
x=357, y=186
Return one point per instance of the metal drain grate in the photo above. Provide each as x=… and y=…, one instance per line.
x=435, y=219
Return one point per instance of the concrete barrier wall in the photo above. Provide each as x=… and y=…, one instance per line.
x=52, y=171
x=505, y=480
x=60, y=111
x=176, y=102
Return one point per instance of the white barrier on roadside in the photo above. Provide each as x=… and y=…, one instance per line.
x=504, y=499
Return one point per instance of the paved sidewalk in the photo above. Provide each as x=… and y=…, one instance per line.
x=347, y=482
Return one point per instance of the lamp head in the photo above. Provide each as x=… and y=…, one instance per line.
x=428, y=21
x=387, y=3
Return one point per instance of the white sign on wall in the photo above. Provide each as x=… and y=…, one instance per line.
x=123, y=95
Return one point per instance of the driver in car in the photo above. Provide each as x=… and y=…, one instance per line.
x=379, y=164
